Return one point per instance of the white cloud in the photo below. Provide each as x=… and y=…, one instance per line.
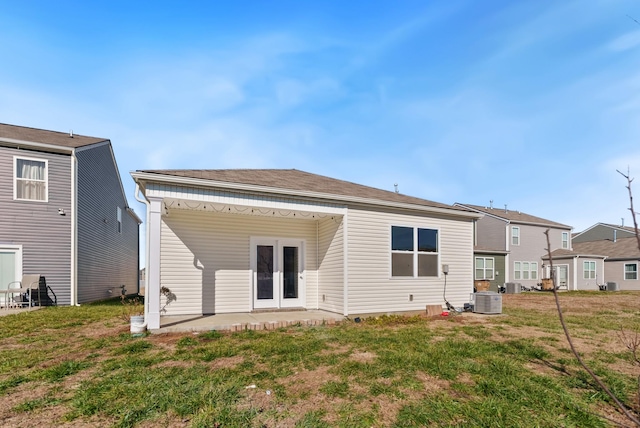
x=625, y=42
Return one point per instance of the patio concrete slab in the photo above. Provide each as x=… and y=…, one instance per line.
x=245, y=321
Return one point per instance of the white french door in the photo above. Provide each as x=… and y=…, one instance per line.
x=277, y=267
x=10, y=268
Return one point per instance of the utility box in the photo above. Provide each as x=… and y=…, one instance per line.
x=513, y=287
x=487, y=302
x=612, y=286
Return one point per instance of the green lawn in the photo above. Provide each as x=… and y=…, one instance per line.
x=80, y=366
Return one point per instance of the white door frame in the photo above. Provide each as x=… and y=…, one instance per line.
x=278, y=301
x=17, y=250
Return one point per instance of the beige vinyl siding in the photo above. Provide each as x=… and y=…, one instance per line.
x=371, y=287
x=45, y=235
x=331, y=264
x=614, y=272
x=205, y=258
x=589, y=283
x=107, y=258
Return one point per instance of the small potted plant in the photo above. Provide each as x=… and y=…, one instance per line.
x=133, y=311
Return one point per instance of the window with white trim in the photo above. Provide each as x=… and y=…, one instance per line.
x=565, y=240
x=525, y=270
x=414, y=252
x=631, y=271
x=119, y=219
x=515, y=235
x=484, y=267
x=30, y=179
x=589, y=270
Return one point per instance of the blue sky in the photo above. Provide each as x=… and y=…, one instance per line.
x=532, y=104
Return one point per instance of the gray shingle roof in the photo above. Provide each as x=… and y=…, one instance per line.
x=296, y=180
x=516, y=216
x=623, y=248
x=33, y=135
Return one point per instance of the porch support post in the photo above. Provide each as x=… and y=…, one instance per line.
x=152, y=292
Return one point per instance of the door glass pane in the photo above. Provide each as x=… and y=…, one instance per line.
x=7, y=269
x=264, y=271
x=562, y=276
x=290, y=272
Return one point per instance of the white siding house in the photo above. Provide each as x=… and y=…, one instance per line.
x=228, y=241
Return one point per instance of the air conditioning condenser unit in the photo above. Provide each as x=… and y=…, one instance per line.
x=487, y=302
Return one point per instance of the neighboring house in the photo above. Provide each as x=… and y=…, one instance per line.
x=600, y=231
x=248, y=240
x=510, y=245
x=621, y=262
x=65, y=215
x=584, y=269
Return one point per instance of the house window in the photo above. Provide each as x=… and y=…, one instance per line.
x=484, y=267
x=589, y=270
x=30, y=179
x=119, y=219
x=631, y=271
x=515, y=235
x=414, y=251
x=565, y=240
x=525, y=270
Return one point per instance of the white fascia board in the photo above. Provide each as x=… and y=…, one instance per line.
x=142, y=176
x=30, y=144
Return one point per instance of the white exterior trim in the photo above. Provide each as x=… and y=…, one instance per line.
x=193, y=182
x=14, y=179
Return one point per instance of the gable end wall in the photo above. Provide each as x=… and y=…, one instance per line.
x=45, y=235
x=106, y=259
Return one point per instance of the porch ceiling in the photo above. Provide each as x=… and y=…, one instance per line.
x=308, y=212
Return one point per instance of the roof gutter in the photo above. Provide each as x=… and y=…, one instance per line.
x=143, y=176
x=48, y=147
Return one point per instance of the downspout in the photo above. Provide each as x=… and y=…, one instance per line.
x=74, y=230
x=144, y=201
x=507, y=257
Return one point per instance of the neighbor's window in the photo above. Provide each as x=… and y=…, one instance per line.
x=30, y=179
x=525, y=270
x=414, y=251
x=589, y=270
x=484, y=267
x=631, y=271
x=565, y=240
x=119, y=219
x=515, y=235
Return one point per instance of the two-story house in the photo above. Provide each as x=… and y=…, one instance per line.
x=510, y=246
x=64, y=215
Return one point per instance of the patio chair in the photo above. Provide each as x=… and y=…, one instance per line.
x=20, y=293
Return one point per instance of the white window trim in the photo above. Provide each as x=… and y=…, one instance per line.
x=518, y=273
x=624, y=271
x=415, y=252
x=119, y=219
x=15, y=178
x=484, y=269
x=513, y=229
x=565, y=242
x=585, y=270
